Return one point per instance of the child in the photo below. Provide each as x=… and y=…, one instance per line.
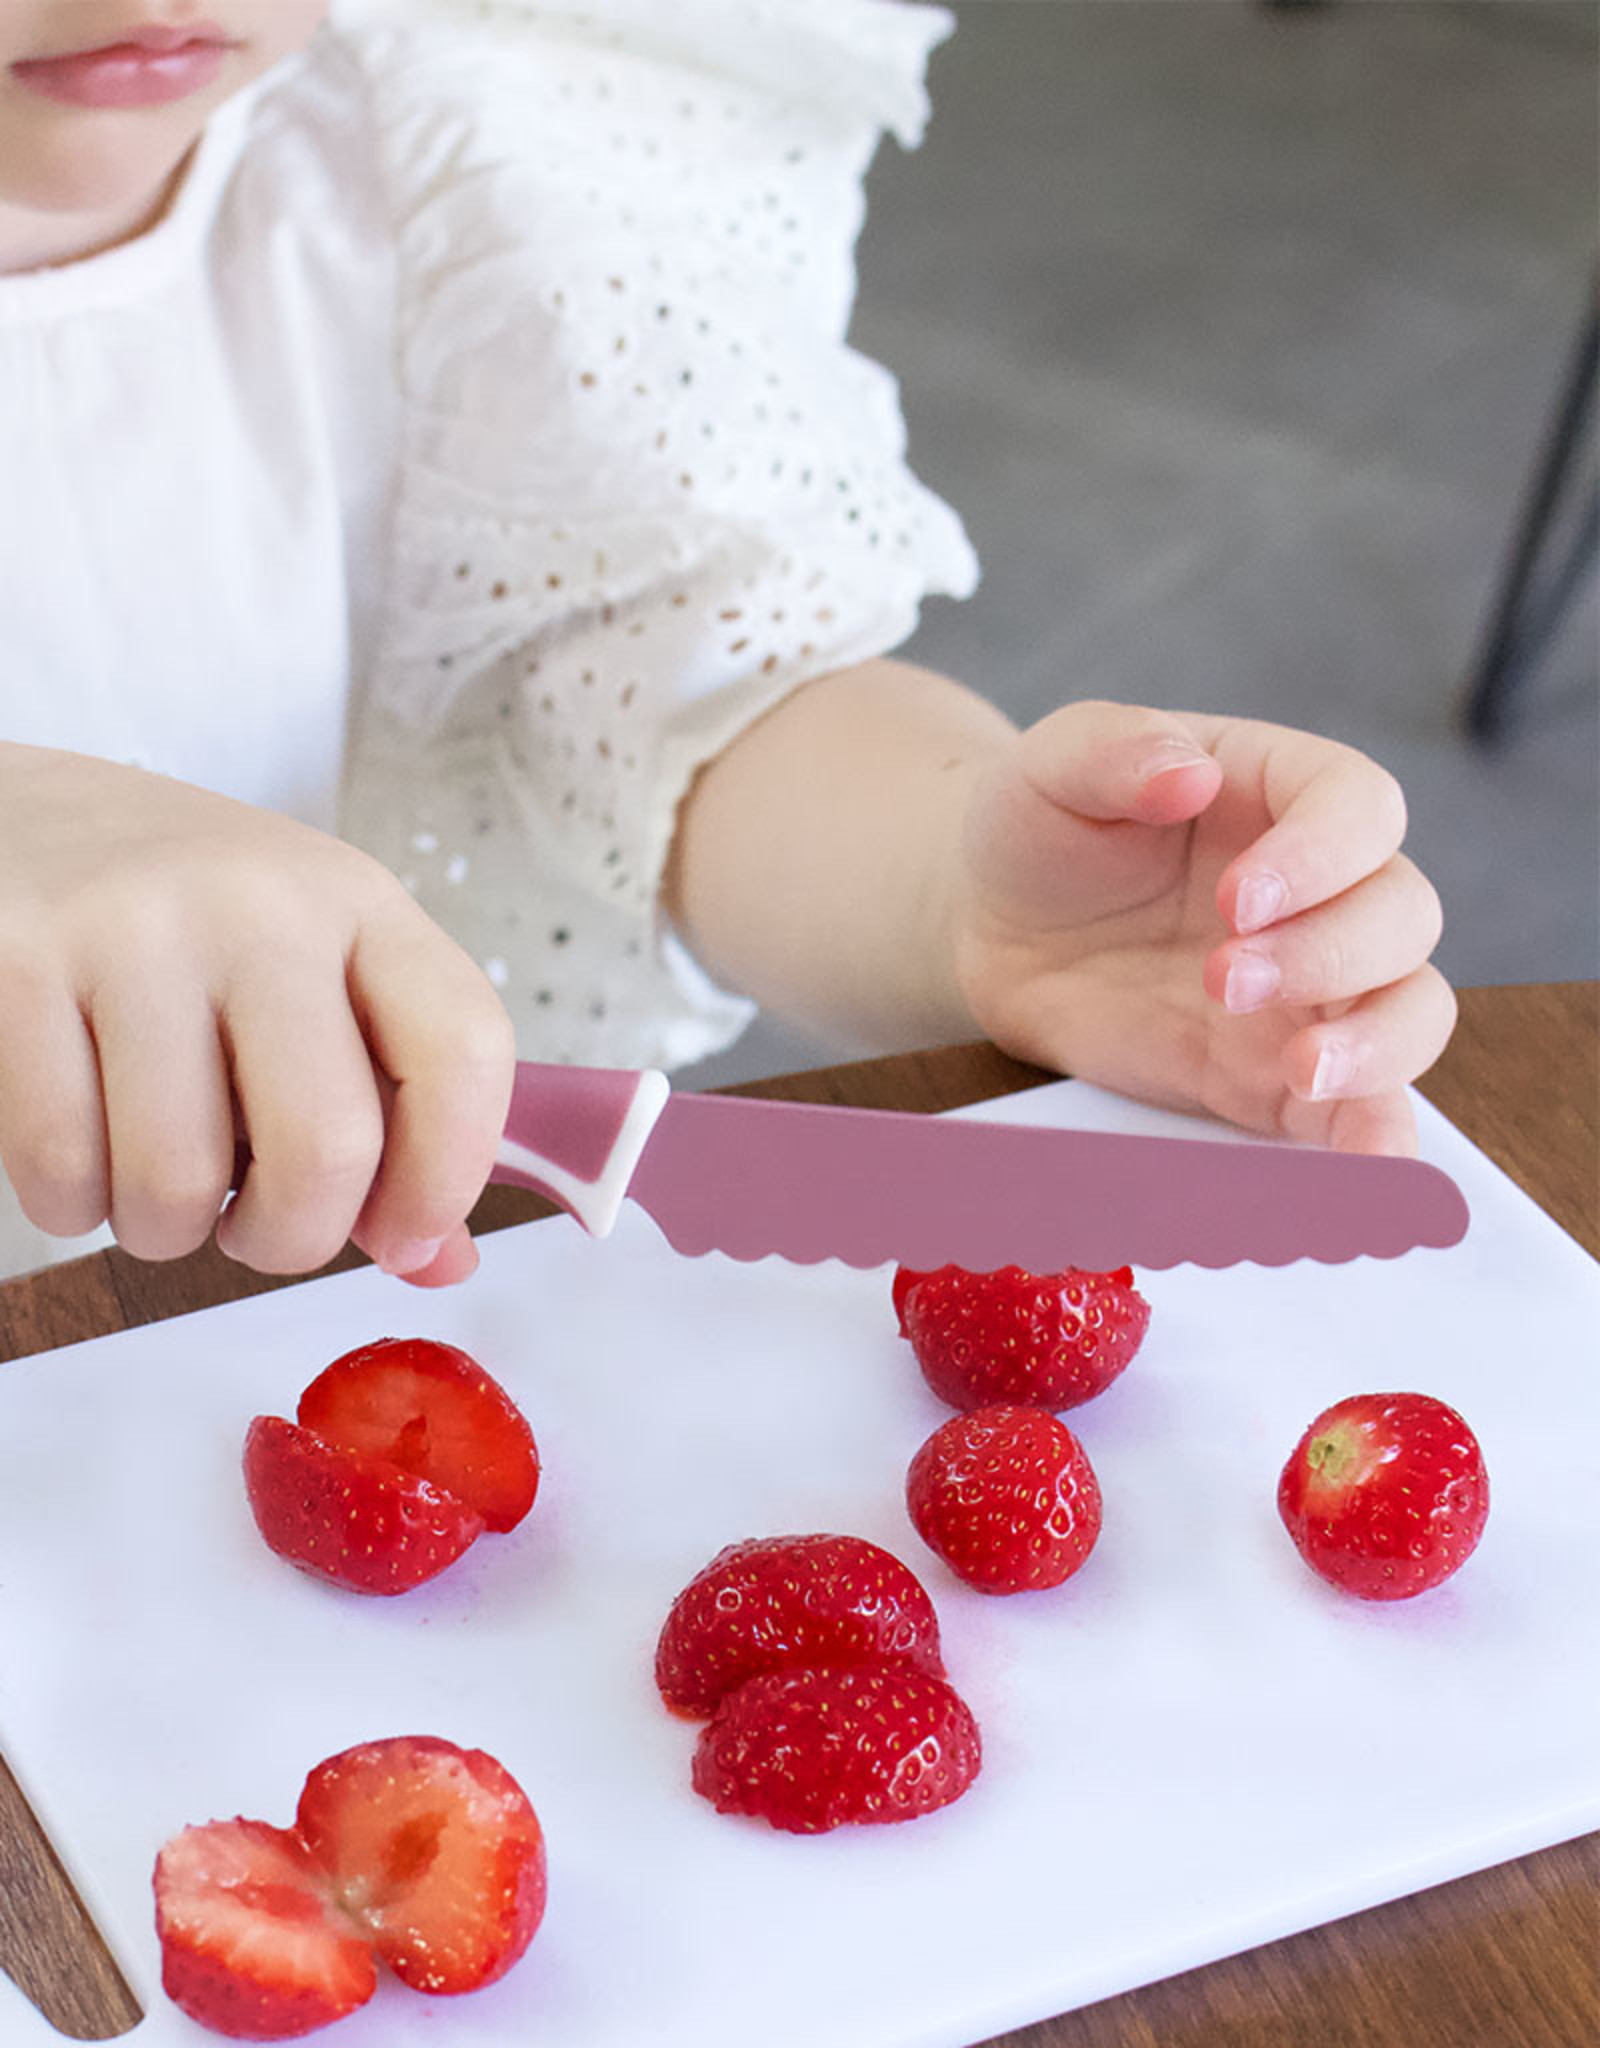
x=439, y=500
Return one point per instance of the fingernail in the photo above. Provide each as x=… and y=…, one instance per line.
x=1258, y=901
x=1167, y=755
x=410, y=1254
x=1252, y=980
x=1336, y=1069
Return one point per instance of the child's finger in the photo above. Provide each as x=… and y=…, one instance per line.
x=311, y=1111
x=169, y=1114
x=1379, y=1043
x=1374, y=934
x=456, y=1261
x=52, y=1126
x=1384, y=1123
x=1339, y=817
x=1110, y=762
x=441, y=1035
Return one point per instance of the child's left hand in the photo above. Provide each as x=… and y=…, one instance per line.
x=1099, y=850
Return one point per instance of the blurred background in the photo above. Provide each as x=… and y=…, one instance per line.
x=1235, y=333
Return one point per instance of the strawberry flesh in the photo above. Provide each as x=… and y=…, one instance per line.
x=356, y=1521
x=1385, y=1495
x=1052, y=1339
x=251, y=1944
x=436, y=1851
x=1007, y=1497
x=781, y=1601
x=433, y=1411
x=810, y=1750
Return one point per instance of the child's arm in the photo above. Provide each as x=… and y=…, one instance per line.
x=886, y=858
x=174, y=965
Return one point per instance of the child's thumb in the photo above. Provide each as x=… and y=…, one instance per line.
x=1120, y=761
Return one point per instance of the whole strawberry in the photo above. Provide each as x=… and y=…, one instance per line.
x=809, y=1750
x=1007, y=1497
x=1385, y=1495
x=1053, y=1339
x=778, y=1601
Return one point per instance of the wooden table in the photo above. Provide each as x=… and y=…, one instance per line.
x=1505, y=1959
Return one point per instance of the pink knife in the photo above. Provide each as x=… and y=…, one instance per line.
x=749, y=1178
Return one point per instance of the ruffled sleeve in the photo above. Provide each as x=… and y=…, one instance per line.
x=646, y=487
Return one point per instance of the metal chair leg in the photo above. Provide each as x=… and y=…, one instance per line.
x=1525, y=617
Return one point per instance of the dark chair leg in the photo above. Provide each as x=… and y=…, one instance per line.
x=1524, y=618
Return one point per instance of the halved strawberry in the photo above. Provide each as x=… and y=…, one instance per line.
x=905, y=1278
x=1052, y=1339
x=359, y=1522
x=433, y=1411
x=780, y=1601
x=251, y=1944
x=435, y=1850
x=810, y=1750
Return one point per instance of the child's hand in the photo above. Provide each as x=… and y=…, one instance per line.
x=178, y=971
x=1097, y=855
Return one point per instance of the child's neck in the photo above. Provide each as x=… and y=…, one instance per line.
x=46, y=241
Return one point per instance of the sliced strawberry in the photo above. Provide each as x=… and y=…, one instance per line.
x=904, y=1280
x=1052, y=1339
x=435, y=1850
x=1007, y=1497
x=251, y=1945
x=433, y=1411
x=359, y=1522
x=812, y=1750
x=778, y=1601
x=1385, y=1495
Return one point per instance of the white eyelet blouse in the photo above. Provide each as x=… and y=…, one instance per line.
x=472, y=450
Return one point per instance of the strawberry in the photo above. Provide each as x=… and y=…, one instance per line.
x=433, y=1411
x=435, y=1851
x=252, y=1945
x=810, y=1750
x=1007, y=1497
x=409, y=1850
x=1385, y=1495
x=780, y=1601
x=359, y=1522
x=904, y=1280
x=1053, y=1339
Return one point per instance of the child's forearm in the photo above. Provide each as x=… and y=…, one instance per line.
x=814, y=858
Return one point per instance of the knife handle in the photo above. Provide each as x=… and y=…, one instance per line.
x=574, y=1135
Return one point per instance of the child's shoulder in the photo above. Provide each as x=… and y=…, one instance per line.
x=849, y=59
x=679, y=111
x=572, y=186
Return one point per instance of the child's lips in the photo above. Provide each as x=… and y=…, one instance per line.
x=148, y=67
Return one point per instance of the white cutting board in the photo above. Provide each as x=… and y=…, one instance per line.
x=1193, y=1747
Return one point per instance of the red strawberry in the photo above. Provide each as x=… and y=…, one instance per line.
x=904, y=1280
x=434, y=1412
x=781, y=1601
x=1385, y=1495
x=252, y=1945
x=810, y=1750
x=424, y=1853
x=1053, y=1339
x=435, y=1851
x=1007, y=1497
x=357, y=1521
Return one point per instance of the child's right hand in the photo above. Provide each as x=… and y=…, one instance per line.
x=179, y=971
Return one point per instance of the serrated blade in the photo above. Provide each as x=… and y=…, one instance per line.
x=750, y=1178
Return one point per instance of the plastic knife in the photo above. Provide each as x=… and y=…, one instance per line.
x=750, y=1178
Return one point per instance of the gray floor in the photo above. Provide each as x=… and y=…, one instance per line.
x=1232, y=333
